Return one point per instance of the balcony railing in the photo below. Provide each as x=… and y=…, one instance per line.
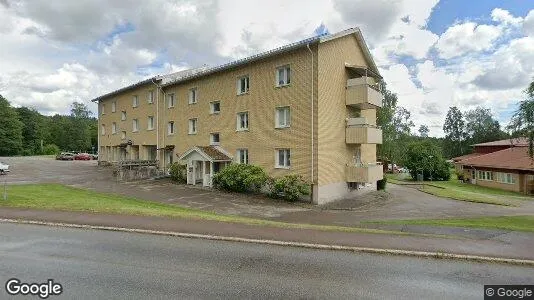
x=364, y=173
x=363, y=94
x=359, y=132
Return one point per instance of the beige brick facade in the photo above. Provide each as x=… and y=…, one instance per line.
x=318, y=79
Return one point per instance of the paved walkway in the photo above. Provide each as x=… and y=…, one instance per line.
x=519, y=246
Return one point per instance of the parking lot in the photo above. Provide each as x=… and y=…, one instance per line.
x=399, y=203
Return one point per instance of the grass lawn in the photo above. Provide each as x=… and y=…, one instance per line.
x=458, y=190
x=62, y=198
x=515, y=223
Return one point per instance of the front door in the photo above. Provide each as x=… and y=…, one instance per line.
x=198, y=171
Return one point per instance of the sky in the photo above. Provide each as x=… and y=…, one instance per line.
x=433, y=54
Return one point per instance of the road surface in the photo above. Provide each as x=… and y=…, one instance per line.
x=91, y=264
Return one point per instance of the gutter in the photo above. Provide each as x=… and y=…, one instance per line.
x=312, y=116
x=158, y=88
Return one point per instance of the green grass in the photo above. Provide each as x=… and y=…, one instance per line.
x=458, y=190
x=62, y=198
x=514, y=223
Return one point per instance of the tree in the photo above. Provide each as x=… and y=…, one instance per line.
x=522, y=122
x=78, y=131
x=425, y=158
x=423, y=131
x=33, y=130
x=10, y=129
x=481, y=127
x=454, y=129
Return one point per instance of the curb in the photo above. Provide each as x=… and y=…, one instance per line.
x=427, y=254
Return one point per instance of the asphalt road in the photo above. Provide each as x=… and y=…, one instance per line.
x=92, y=264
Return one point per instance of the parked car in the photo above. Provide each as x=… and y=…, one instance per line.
x=4, y=168
x=83, y=156
x=65, y=156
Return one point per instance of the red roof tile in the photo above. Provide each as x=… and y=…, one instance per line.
x=516, y=142
x=470, y=155
x=515, y=158
x=214, y=153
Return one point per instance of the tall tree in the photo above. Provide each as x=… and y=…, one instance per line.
x=78, y=131
x=423, y=131
x=33, y=130
x=10, y=129
x=522, y=122
x=454, y=129
x=481, y=127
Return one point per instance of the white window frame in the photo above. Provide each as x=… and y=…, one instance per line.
x=150, y=97
x=212, y=138
x=150, y=123
x=113, y=106
x=286, y=118
x=241, y=90
x=507, y=178
x=123, y=115
x=170, y=128
x=103, y=110
x=171, y=100
x=212, y=107
x=242, y=156
x=123, y=135
x=193, y=126
x=113, y=128
x=103, y=129
x=286, y=75
x=193, y=95
x=135, y=125
x=485, y=175
x=286, y=163
x=238, y=125
x=135, y=101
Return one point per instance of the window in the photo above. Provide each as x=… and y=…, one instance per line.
x=170, y=127
x=113, y=106
x=123, y=135
x=113, y=128
x=242, y=156
x=485, y=175
x=283, y=158
x=103, y=129
x=283, y=117
x=192, y=126
x=103, y=109
x=193, y=95
x=135, y=125
x=150, y=123
x=150, y=97
x=135, y=101
x=123, y=116
x=505, y=177
x=242, y=121
x=215, y=107
x=243, y=85
x=170, y=100
x=283, y=76
x=215, y=139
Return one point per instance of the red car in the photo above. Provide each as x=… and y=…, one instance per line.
x=83, y=156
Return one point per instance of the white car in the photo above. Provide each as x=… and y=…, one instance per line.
x=4, y=168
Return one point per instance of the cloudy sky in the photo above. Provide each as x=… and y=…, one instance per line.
x=433, y=54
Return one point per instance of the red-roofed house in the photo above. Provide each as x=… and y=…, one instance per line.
x=501, y=164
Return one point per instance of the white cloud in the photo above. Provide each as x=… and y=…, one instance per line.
x=528, y=24
x=463, y=38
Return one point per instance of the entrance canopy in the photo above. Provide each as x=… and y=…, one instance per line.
x=208, y=153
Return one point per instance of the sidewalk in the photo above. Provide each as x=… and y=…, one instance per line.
x=517, y=248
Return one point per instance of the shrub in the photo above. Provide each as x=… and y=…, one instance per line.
x=178, y=172
x=381, y=184
x=289, y=187
x=460, y=176
x=26, y=152
x=240, y=178
x=50, y=149
x=425, y=157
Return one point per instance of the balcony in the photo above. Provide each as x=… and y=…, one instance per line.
x=364, y=173
x=358, y=131
x=361, y=93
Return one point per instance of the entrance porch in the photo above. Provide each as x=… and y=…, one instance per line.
x=203, y=162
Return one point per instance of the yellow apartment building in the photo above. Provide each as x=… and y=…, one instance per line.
x=307, y=108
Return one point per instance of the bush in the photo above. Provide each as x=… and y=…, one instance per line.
x=460, y=176
x=50, y=149
x=26, y=152
x=381, y=184
x=240, y=178
x=289, y=187
x=178, y=172
x=425, y=157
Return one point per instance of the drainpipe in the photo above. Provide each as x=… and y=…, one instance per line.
x=312, y=121
x=158, y=88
